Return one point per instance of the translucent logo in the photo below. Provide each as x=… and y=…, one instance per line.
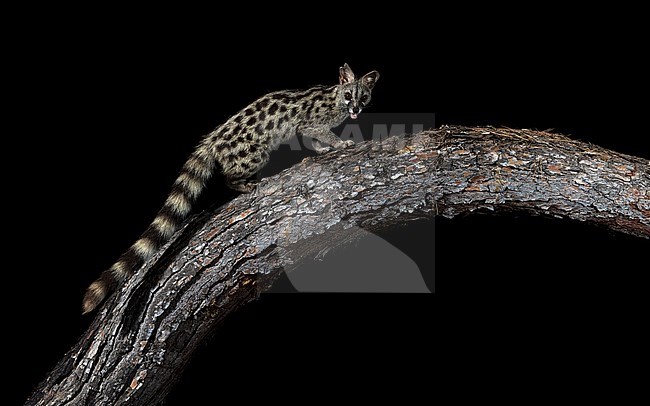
x=370, y=263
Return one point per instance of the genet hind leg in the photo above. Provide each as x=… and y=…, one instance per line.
x=241, y=178
x=243, y=185
x=240, y=174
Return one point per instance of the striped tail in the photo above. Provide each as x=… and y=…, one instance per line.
x=189, y=184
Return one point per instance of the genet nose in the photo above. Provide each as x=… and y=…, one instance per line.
x=355, y=110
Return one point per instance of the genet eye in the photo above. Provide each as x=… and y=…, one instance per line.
x=363, y=99
x=348, y=95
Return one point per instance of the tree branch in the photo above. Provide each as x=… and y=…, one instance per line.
x=143, y=336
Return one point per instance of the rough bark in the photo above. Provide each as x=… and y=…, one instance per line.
x=143, y=336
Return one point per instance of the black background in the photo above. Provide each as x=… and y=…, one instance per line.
x=108, y=111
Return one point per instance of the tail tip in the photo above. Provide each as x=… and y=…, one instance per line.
x=94, y=296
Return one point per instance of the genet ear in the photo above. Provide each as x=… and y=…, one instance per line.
x=345, y=74
x=369, y=79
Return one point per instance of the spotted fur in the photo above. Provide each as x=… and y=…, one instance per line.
x=240, y=147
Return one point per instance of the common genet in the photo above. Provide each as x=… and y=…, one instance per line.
x=240, y=147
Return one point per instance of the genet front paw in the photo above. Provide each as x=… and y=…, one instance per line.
x=344, y=144
x=321, y=149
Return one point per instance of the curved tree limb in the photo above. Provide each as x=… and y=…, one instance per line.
x=143, y=336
